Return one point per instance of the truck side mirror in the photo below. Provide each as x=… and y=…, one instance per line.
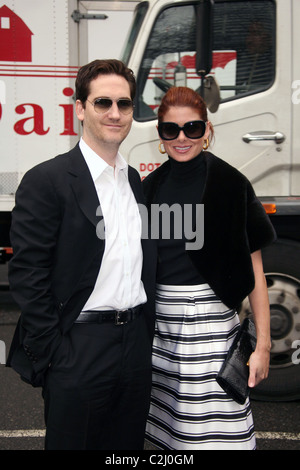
x=209, y=90
x=204, y=36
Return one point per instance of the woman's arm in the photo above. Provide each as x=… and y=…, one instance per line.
x=259, y=302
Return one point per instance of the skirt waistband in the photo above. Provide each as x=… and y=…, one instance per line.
x=199, y=291
x=205, y=288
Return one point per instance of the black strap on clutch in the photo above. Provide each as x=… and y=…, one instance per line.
x=234, y=373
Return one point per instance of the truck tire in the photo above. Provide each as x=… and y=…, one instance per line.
x=282, y=270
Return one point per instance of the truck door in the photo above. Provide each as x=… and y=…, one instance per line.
x=253, y=121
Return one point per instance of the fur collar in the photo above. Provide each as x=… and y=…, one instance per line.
x=235, y=224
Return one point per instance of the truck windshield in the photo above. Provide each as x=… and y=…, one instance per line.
x=243, y=52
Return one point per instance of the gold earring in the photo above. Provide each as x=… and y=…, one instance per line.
x=160, y=149
x=206, y=144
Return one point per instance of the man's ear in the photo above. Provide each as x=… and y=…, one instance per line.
x=80, y=109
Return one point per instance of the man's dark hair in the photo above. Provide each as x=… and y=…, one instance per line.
x=90, y=71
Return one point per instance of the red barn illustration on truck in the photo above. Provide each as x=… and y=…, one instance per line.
x=15, y=37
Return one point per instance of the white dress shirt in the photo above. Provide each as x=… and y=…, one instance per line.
x=118, y=285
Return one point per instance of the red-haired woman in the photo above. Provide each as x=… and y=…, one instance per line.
x=200, y=284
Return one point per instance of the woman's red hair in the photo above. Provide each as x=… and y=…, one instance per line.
x=183, y=96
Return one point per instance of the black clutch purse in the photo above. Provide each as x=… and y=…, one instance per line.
x=234, y=373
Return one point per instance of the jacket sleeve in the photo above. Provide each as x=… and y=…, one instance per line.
x=260, y=230
x=35, y=224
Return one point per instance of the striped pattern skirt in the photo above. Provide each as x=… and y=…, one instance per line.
x=189, y=410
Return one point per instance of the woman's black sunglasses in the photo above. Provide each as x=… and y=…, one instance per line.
x=171, y=130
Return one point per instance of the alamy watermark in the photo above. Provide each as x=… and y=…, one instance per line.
x=175, y=221
x=2, y=352
x=296, y=93
x=296, y=354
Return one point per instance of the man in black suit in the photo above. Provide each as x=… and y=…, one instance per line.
x=83, y=276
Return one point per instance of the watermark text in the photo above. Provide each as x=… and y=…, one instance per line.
x=296, y=354
x=165, y=222
x=2, y=352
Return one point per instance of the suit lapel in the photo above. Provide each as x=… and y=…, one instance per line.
x=83, y=186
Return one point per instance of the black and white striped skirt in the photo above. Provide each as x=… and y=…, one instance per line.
x=189, y=410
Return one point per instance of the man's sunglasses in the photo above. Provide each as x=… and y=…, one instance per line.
x=102, y=105
x=171, y=130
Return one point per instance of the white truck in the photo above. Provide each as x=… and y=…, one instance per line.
x=241, y=54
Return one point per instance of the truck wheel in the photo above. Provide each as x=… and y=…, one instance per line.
x=282, y=270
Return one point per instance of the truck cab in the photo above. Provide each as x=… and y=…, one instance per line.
x=240, y=55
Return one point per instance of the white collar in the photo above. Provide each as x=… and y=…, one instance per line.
x=96, y=163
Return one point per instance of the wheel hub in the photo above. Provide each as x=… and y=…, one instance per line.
x=281, y=322
x=284, y=298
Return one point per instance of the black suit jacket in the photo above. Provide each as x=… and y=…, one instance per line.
x=56, y=257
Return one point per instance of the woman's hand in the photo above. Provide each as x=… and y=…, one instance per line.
x=258, y=366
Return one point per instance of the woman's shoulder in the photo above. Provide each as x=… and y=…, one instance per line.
x=215, y=162
x=216, y=166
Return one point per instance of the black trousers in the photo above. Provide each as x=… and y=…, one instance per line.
x=97, y=390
